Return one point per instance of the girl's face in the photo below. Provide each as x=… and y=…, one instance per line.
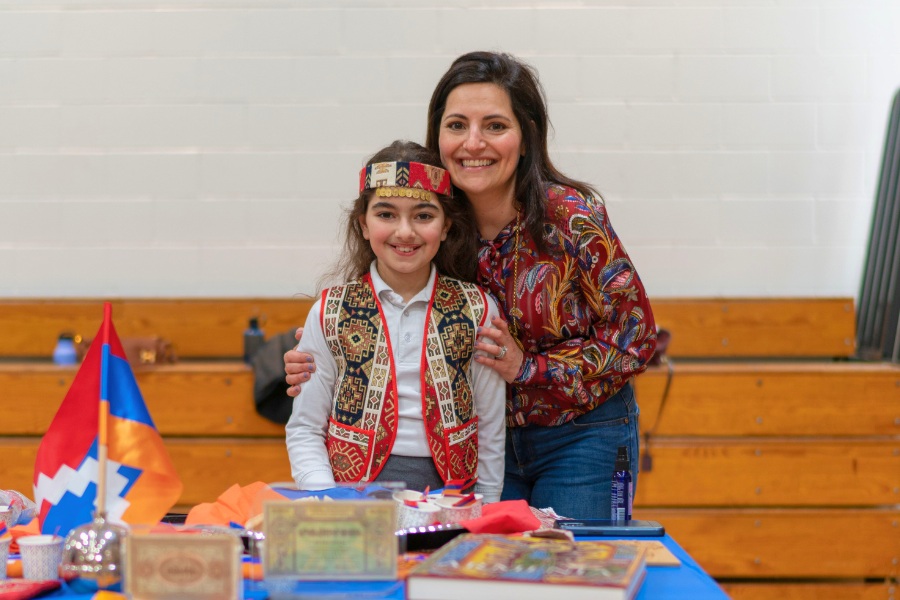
x=481, y=141
x=405, y=234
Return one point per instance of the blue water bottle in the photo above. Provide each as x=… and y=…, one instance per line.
x=253, y=339
x=64, y=353
x=621, y=487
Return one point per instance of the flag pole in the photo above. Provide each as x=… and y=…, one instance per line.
x=102, y=425
x=94, y=552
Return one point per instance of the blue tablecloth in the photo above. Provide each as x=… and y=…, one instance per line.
x=687, y=582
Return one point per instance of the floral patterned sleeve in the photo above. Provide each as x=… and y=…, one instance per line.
x=588, y=317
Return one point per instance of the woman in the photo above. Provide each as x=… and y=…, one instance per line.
x=578, y=322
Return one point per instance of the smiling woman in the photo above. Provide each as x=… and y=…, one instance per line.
x=578, y=324
x=480, y=144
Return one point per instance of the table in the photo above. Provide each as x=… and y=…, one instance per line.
x=687, y=582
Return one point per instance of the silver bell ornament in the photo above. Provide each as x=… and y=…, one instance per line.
x=93, y=557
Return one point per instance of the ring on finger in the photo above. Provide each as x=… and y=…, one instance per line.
x=501, y=354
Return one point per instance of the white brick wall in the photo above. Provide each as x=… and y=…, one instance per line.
x=207, y=147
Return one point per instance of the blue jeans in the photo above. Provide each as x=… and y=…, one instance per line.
x=569, y=467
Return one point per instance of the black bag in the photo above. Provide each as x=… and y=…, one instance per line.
x=269, y=386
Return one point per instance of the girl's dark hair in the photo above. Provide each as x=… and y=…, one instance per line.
x=457, y=255
x=520, y=81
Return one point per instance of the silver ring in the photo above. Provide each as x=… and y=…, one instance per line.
x=501, y=354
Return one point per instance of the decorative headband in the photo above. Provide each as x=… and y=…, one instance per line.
x=409, y=179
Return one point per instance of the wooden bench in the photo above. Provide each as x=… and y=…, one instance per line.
x=775, y=457
x=212, y=328
x=204, y=410
x=758, y=327
x=203, y=404
x=198, y=328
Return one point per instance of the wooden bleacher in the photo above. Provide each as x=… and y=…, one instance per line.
x=203, y=404
x=775, y=457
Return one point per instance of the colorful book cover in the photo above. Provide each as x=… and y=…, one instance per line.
x=520, y=568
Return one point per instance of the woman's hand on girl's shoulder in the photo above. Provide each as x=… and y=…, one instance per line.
x=497, y=349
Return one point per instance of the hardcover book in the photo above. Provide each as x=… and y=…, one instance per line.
x=504, y=567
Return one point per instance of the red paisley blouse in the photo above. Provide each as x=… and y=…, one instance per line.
x=579, y=310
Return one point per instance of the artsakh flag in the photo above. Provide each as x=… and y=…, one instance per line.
x=141, y=483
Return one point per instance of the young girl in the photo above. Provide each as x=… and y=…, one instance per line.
x=398, y=396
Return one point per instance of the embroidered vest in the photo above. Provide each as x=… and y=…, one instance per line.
x=364, y=417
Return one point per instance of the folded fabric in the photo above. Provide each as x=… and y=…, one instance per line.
x=252, y=571
x=236, y=505
x=508, y=516
x=30, y=528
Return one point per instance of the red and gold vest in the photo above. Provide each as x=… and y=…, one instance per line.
x=364, y=417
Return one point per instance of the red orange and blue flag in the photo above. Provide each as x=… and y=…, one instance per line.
x=103, y=411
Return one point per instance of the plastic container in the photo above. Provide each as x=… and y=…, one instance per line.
x=64, y=353
x=622, y=486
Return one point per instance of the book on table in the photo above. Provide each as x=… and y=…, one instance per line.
x=503, y=567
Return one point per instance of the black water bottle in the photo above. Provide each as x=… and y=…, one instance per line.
x=253, y=339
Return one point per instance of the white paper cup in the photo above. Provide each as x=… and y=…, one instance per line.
x=402, y=495
x=4, y=555
x=7, y=516
x=424, y=514
x=41, y=556
x=456, y=514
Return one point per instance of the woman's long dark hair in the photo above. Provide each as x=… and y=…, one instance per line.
x=458, y=253
x=535, y=170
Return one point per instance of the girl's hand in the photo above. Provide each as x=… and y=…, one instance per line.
x=298, y=367
x=498, y=350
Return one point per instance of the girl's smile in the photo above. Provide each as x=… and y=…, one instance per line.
x=405, y=234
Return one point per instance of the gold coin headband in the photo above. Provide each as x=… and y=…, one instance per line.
x=405, y=179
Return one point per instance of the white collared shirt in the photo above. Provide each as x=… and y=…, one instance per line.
x=405, y=321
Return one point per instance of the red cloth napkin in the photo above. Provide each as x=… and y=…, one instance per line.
x=21, y=589
x=508, y=516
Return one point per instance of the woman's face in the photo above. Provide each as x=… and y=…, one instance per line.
x=481, y=141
